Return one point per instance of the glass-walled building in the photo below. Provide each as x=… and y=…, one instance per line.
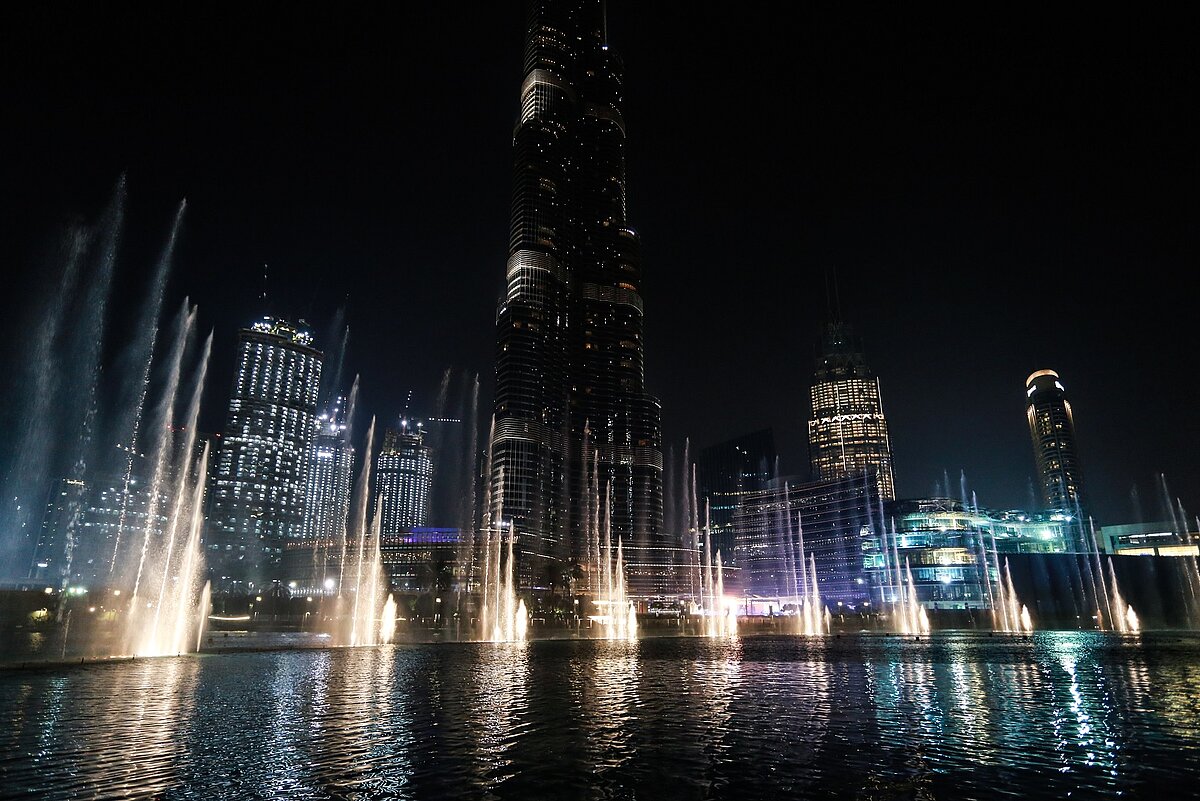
x=955, y=554
x=778, y=528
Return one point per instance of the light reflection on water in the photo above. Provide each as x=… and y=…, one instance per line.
x=956, y=716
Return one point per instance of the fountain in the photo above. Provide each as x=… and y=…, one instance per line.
x=387, y=623
x=69, y=421
x=811, y=620
x=718, y=612
x=364, y=619
x=617, y=614
x=910, y=616
x=1123, y=619
x=1008, y=613
x=168, y=606
x=503, y=617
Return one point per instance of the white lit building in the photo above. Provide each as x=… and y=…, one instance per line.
x=330, y=464
x=403, y=478
x=260, y=482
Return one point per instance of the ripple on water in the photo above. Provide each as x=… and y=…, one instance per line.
x=955, y=716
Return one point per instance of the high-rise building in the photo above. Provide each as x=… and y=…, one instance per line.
x=403, y=478
x=1052, y=428
x=50, y=557
x=725, y=473
x=569, y=325
x=258, y=497
x=847, y=432
x=79, y=529
x=330, y=463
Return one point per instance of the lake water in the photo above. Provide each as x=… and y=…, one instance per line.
x=960, y=715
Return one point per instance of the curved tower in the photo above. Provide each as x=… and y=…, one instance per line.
x=569, y=326
x=1052, y=427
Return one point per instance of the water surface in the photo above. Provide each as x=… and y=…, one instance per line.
x=1066, y=714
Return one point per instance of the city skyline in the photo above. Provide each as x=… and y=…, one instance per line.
x=700, y=354
x=575, y=398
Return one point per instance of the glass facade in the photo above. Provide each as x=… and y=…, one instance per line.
x=570, y=337
x=779, y=529
x=955, y=554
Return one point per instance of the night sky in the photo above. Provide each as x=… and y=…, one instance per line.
x=998, y=193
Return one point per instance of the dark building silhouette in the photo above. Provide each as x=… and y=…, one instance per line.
x=847, y=432
x=1052, y=428
x=259, y=488
x=725, y=473
x=569, y=324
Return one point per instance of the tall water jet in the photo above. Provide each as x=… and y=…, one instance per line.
x=387, y=623
x=361, y=584
x=85, y=345
x=361, y=491
x=174, y=611
x=141, y=360
x=1124, y=619
x=618, y=613
x=812, y=617
x=161, y=462
x=719, y=615
x=170, y=566
x=912, y=617
x=182, y=608
x=503, y=617
x=55, y=402
x=367, y=621
x=1007, y=605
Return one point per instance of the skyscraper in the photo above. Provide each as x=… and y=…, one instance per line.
x=403, y=476
x=330, y=463
x=569, y=325
x=1052, y=428
x=847, y=433
x=726, y=472
x=258, y=497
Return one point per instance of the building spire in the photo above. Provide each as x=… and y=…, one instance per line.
x=833, y=297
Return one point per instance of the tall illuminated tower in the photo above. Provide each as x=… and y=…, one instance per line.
x=403, y=478
x=1052, y=428
x=260, y=480
x=569, y=324
x=847, y=433
x=330, y=464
